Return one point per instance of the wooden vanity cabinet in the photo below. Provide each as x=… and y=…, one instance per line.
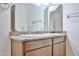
x=55, y=46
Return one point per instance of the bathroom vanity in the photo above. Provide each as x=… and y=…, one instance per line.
x=32, y=18
x=47, y=44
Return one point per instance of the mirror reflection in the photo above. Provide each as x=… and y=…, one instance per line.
x=36, y=17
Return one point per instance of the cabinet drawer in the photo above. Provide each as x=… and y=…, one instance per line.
x=46, y=51
x=58, y=39
x=37, y=44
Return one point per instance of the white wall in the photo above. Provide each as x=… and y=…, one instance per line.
x=71, y=25
x=4, y=33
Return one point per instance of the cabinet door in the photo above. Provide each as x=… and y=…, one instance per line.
x=46, y=51
x=63, y=49
x=59, y=49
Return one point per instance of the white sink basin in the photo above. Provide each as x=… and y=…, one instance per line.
x=24, y=36
x=21, y=37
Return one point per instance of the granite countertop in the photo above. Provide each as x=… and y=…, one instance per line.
x=30, y=37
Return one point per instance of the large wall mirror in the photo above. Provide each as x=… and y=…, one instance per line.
x=36, y=17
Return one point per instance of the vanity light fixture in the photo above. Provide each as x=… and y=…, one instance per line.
x=40, y=4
